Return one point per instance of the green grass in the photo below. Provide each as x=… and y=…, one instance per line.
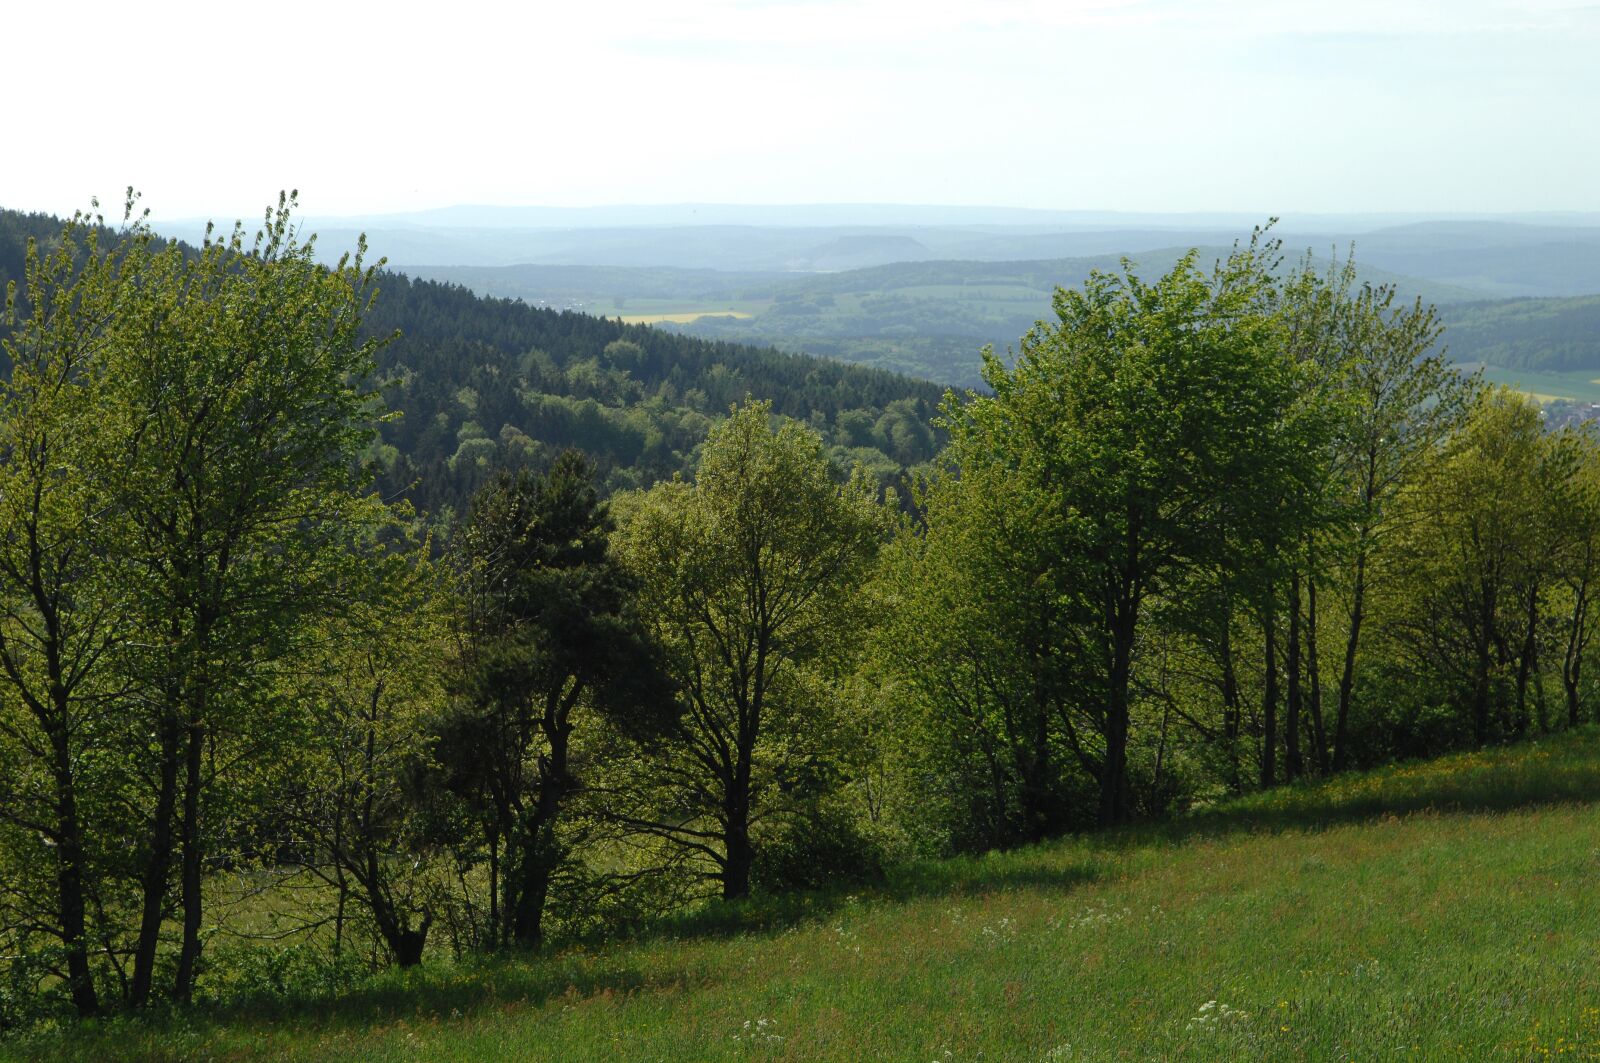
x=681, y=316
x=1579, y=385
x=1446, y=910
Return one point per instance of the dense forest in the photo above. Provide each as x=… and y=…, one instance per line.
x=1545, y=334
x=485, y=382
x=597, y=622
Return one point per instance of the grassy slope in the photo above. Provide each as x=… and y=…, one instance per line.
x=1435, y=911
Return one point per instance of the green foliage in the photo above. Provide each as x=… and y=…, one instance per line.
x=181, y=430
x=978, y=629
x=823, y=849
x=549, y=643
x=748, y=580
x=1157, y=424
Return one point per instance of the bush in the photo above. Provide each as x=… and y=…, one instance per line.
x=245, y=971
x=822, y=849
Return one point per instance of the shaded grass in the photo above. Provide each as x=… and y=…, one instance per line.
x=1443, y=910
x=1560, y=769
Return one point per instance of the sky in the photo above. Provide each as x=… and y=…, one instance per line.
x=1258, y=106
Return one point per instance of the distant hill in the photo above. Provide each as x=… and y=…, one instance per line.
x=1533, y=255
x=1552, y=335
x=928, y=318
x=862, y=249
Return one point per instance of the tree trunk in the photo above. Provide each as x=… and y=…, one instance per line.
x=158, y=867
x=1231, y=709
x=1038, y=819
x=1572, y=664
x=338, y=914
x=740, y=854
x=1527, y=660
x=1319, y=732
x=189, y=832
x=536, y=865
x=408, y=944
x=69, y=869
x=1269, y=695
x=1484, y=668
x=1347, y=678
x=1114, y=782
x=405, y=943
x=1292, y=764
x=495, y=939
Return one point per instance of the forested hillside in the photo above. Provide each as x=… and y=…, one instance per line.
x=485, y=382
x=480, y=383
x=1541, y=334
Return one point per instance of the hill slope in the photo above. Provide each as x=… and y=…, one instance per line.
x=1553, y=335
x=1436, y=911
x=484, y=381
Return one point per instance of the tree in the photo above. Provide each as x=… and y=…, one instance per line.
x=1403, y=403
x=748, y=578
x=1152, y=414
x=63, y=601
x=978, y=625
x=182, y=431
x=1577, y=564
x=1475, y=520
x=371, y=678
x=240, y=370
x=548, y=630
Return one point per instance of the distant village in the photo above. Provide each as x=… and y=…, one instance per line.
x=1559, y=413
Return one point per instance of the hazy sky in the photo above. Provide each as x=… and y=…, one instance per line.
x=1161, y=105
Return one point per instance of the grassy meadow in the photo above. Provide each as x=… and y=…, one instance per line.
x=1575, y=385
x=671, y=313
x=1439, y=910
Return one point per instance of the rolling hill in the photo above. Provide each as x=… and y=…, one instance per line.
x=1516, y=255
x=930, y=318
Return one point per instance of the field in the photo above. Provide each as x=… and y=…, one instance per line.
x=681, y=317
x=1443, y=910
x=1578, y=385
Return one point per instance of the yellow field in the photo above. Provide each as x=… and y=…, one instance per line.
x=681, y=318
